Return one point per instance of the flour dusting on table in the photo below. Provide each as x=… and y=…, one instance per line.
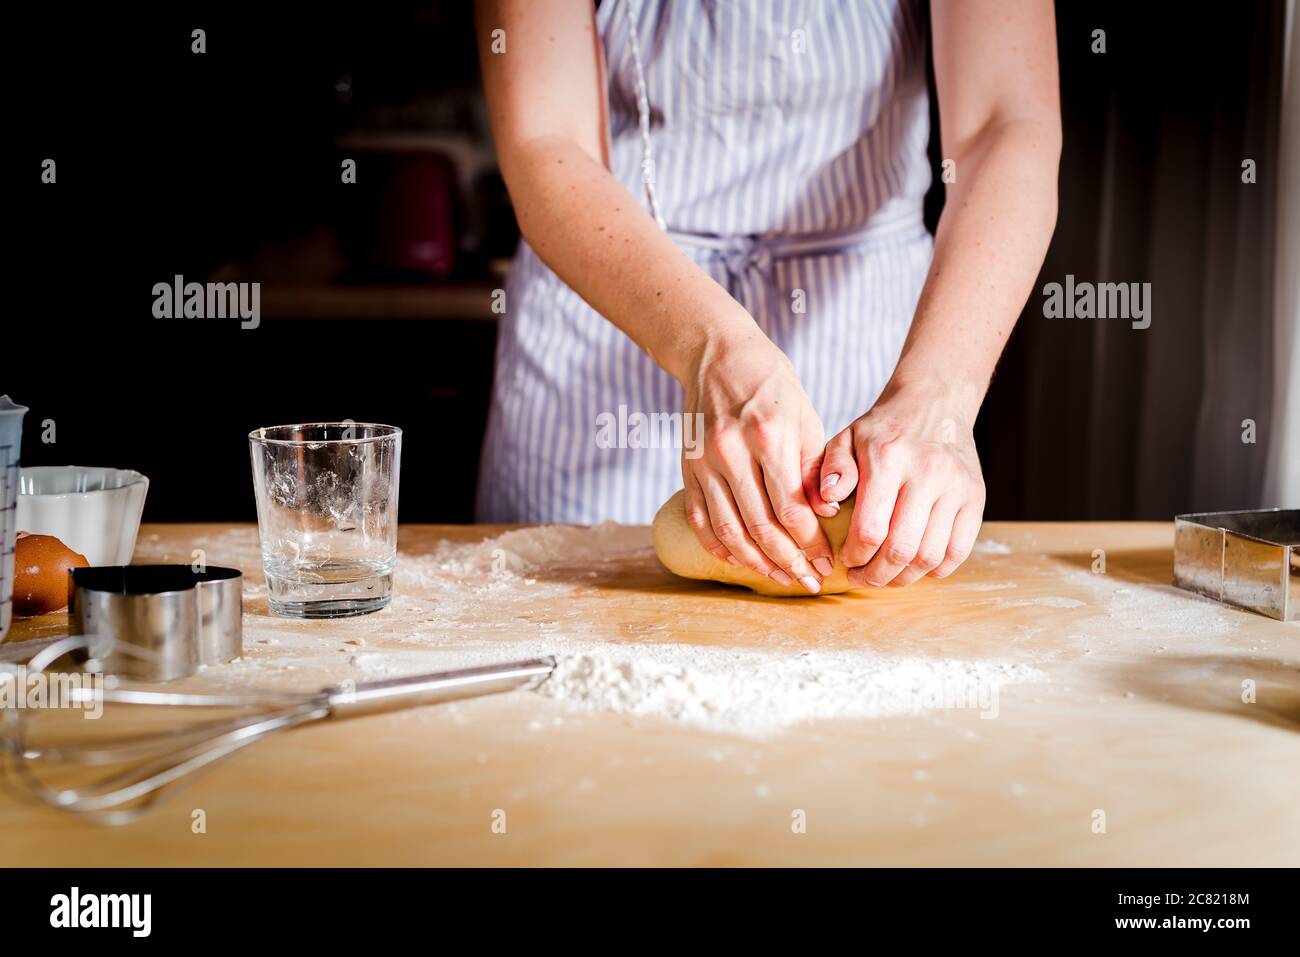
x=547, y=546
x=557, y=590
x=1154, y=609
x=757, y=694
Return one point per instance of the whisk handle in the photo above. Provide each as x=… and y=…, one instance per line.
x=414, y=691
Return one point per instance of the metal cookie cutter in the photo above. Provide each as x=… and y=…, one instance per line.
x=1250, y=559
x=157, y=622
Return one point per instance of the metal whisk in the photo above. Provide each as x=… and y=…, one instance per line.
x=146, y=768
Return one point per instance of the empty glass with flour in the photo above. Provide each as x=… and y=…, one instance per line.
x=327, y=515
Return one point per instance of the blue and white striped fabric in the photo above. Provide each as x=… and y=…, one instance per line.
x=788, y=143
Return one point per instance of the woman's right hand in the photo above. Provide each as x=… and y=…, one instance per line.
x=752, y=478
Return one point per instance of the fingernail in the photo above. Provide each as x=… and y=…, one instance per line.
x=733, y=559
x=831, y=480
x=835, y=506
x=823, y=565
x=780, y=577
x=811, y=584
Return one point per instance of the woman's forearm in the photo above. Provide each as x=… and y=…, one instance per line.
x=596, y=237
x=745, y=490
x=546, y=96
x=990, y=244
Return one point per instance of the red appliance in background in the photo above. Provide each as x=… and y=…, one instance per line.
x=403, y=219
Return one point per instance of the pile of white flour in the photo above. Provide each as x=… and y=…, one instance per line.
x=759, y=694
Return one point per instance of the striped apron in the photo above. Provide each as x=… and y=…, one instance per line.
x=782, y=144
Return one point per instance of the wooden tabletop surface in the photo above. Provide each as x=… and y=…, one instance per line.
x=1166, y=729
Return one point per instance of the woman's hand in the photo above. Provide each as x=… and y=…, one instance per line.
x=750, y=481
x=920, y=498
x=912, y=458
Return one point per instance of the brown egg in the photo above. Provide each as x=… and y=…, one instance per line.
x=41, y=564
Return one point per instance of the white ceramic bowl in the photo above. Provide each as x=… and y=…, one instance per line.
x=93, y=511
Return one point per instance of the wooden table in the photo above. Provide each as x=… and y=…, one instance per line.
x=1141, y=718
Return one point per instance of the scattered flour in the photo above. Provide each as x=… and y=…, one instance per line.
x=549, y=546
x=464, y=604
x=1155, y=610
x=520, y=566
x=1047, y=601
x=750, y=693
x=758, y=694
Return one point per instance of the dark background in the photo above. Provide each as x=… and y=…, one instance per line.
x=226, y=165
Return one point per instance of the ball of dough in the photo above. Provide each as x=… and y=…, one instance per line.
x=682, y=553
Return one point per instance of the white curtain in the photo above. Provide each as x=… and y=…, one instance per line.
x=1282, y=482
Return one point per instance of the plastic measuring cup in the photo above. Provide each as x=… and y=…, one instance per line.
x=11, y=437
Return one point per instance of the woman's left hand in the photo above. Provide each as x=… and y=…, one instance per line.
x=920, y=501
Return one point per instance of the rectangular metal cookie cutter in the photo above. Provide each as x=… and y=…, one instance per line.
x=1250, y=559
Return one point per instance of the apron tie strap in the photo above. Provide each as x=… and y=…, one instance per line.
x=632, y=10
x=746, y=252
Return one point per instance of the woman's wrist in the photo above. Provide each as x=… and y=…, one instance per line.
x=709, y=341
x=962, y=395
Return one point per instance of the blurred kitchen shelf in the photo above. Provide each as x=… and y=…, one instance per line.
x=461, y=302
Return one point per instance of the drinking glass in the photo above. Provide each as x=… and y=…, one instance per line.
x=327, y=516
